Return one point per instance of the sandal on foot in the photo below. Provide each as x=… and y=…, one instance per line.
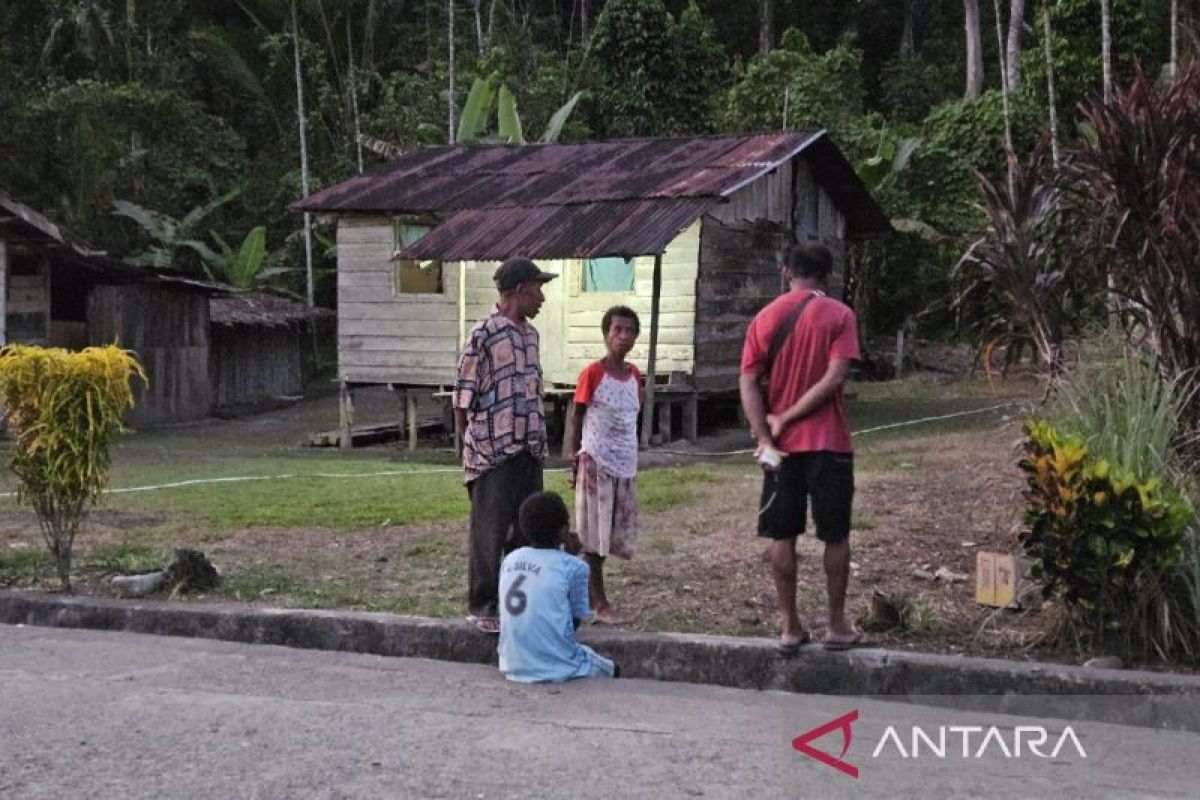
x=789, y=649
x=858, y=640
x=488, y=625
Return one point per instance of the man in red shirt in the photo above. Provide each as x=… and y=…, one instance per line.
x=803, y=343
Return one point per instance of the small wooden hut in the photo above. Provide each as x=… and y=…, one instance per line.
x=261, y=349
x=683, y=230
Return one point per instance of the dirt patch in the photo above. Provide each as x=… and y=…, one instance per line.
x=920, y=504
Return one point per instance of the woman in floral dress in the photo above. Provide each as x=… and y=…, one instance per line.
x=608, y=399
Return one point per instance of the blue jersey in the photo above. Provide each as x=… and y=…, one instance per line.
x=541, y=592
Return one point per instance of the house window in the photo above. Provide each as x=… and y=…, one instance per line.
x=408, y=275
x=613, y=274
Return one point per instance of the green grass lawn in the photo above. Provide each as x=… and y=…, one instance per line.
x=341, y=494
x=291, y=486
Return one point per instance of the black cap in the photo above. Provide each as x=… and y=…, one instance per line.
x=517, y=270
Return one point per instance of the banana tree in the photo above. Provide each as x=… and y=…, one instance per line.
x=170, y=236
x=248, y=267
x=488, y=94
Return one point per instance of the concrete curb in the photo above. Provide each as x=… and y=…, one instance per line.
x=1149, y=699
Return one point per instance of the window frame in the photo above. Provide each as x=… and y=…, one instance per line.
x=399, y=264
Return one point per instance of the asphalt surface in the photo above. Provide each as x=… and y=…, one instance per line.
x=119, y=715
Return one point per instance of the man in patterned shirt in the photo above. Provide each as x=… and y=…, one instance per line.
x=498, y=412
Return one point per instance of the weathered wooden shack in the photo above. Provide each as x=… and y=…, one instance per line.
x=58, y=290
x=261, y=349
x=683, y=230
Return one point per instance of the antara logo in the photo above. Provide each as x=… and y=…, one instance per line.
x=843, y=723
x=1019, y=742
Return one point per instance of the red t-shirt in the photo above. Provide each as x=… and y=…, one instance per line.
x=826, y=330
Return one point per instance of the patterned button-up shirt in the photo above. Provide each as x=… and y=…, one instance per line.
x=500, y=387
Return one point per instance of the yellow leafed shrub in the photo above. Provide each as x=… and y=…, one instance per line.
x=63, y=408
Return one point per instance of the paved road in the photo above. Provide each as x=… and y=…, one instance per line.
x=117, y=715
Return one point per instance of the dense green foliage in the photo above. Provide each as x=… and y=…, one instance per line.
x=169, y=105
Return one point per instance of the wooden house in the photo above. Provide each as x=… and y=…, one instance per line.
x=203, y=348
x=60, y=291
x=683, y=230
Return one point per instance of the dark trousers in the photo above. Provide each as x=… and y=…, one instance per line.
x=496, y=495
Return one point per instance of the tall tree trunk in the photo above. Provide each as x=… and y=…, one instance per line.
x=491, y=30
x=450, y=36
x=1106, y=47
x=1009, y=152
x=974, y=49
x=1174, y=67
x=479, y=40
x=1051, y=95
x=368, y=40
x=131, y=25
x=766, y=25
x=308, y=260
x=907, y=43
x=1016, y=21
x=352, y=77
x=583, y=21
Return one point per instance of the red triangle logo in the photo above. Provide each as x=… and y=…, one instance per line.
x=843, y=723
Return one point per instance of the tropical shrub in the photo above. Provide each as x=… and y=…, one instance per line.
x=63, y=409
x=1108, y=519
x=1105, y=541
x=1134, y=174
x=1014, y=259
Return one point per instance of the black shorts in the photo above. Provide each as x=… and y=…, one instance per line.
x=827, y=477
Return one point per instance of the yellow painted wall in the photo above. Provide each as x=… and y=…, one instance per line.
x=384, y=337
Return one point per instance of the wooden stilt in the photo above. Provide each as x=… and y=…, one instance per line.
x=345, y=416
x=691, y=417
x=410, y=412
x=664, y=421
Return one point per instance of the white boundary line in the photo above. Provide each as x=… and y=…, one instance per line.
x=458, y=470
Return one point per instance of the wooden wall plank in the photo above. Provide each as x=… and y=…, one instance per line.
x=417, y=344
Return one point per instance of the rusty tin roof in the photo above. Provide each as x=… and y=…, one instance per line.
x=622, y=197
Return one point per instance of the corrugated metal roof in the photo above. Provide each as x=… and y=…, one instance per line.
x=455, y=177
x=626, y=197
x=579, y=230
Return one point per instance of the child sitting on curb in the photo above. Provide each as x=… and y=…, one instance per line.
x=544, y=598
